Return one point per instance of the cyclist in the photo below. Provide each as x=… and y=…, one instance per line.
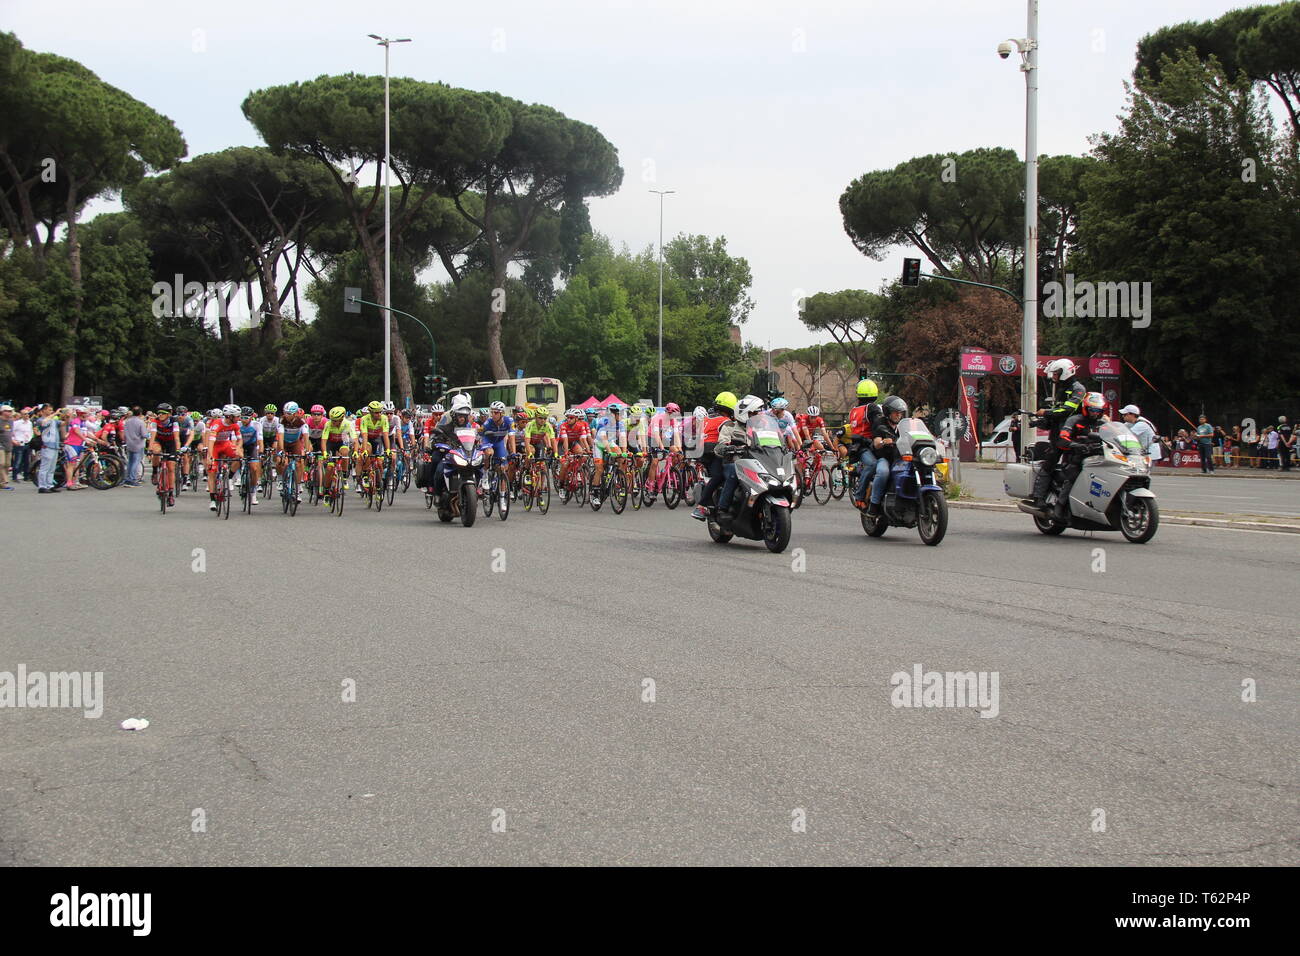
x=575, y=439
x=607, y=440
x=372, y=431
x=812, y=428
x=223, y=440
x=165, y=435
x=540, y=433
x=336, y=438
x=250, y=437
x=498, y=439
x=293, y=439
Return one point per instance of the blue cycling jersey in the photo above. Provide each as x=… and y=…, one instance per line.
x=494, y=431
x=248, y=433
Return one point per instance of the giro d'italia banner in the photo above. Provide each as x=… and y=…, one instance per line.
x=1100, y=372
x=1181, y=459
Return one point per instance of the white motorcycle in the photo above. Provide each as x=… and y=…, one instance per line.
x=1112, y=491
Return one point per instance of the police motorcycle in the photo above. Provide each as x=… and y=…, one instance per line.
x=765, y=477
x=1112, y=491
x=462, y=465
x=913, y=498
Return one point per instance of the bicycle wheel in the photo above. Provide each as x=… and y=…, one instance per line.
x=223, y=495
x=408, y=465
x=526, y=489
x=502, y=492
x=578, y=486
x=390, y=482
x=489, y=499
x=544, y=490
x=618, y=492
x=672, y=490
x=340, y=493
x=821, y=486
x=377, y=490
x=839, y=481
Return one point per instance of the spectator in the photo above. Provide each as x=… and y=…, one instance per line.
x=6, y=445
x=134, y=434
x=51, y=431
x=1232, y=448
x=1269, y=451
x=1181, y=441
x=1286, y=439
x=1205, y=444
x=22, y=439
x=1143, y=429
x=1219, y=436
x=74, y=444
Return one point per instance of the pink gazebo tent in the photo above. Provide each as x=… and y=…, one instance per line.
x=592, y=402
x=612, y=400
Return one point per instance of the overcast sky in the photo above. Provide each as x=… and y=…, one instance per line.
x=757, y=113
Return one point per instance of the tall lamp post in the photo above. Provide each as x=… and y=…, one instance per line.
x=1027, y=47
x=388, y=319
x=659, y=399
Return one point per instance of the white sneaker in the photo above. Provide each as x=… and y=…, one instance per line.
x=255, y=501
x=212, y=506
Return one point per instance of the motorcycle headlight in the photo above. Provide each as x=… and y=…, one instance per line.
x=478, y=459
x=459, y=460
x=929, y=457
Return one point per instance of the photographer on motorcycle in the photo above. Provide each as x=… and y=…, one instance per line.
x=732, y=440
x=444, y=433
x=1076, y=440
x=1065, y=400
x=884, y=446
x=860, y=449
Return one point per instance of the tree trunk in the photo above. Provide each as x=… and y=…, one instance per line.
x=68, y=384
x=401, y=369
x=494, y=324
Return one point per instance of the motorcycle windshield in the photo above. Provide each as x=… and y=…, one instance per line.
x=467, y=438
x=912, y=431
x=763, y=431
x=1122, y=438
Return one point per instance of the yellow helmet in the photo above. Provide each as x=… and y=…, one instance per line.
x=541, y=411
x=337, y=413
x=726, y=400
x=868, y=389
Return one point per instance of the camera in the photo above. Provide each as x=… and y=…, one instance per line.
x=1005, y=48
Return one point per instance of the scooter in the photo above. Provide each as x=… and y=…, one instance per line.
x=913, y=499
x=462, y=466
x=765, y=476
x=1111, y=493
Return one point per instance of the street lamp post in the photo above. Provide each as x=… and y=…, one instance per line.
x=1028, y=50
x=388, y=298
x=661, y=192
x=819, y=375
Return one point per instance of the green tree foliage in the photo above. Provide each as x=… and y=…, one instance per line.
x=1170, y=203
x=848, y=317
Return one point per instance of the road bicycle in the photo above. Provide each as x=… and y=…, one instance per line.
x=497, y=494
x=576, y=477
x=536, y=485
x=166, y=491
x=222, y=490
x=289, y=493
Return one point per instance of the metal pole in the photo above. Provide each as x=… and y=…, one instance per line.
x=659, y=400
x=1029, y=358
x=388, y=319
x=819, y=374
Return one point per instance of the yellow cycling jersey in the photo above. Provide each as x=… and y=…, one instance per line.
x=336, y=431
x=373, y=428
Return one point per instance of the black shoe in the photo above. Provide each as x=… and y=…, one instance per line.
x=1039, y=503
x=873, y=509
x=42, y=491
x=53, y=491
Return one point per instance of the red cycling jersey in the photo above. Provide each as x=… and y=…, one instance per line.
x=809, y=423
x=574, y=430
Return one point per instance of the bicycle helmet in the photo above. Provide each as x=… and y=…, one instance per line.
x=814, y=411
x=376, y=407
x=182, y=410
x=270, y=409
x=726, y=400
x=868, y=389
x=497, y=407
x=1060, y=368
x=672, y=408
x=196, y=416
x=389, y=408
x=246, y=410
x=636, y=411
x=573, y=413
x=437, y=409
x=105, y=413
x=338, y=413
x=164, y=408
x=700, y=412
x=291, y=408
x=779, y=403
x=217, y=412
x=749, y=405
x=230, y=411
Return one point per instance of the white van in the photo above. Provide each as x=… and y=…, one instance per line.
x=999, y=446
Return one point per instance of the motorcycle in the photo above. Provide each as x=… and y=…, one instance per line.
x=462, y=466
x=913, y=499
x=1112, y=491
x=765, y=474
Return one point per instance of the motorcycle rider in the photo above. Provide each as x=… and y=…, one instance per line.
x=1073, y=439
x=860, y=450
x=444, y=433
x=732, y=438
x=884, y=445
x=724, y=407
x=1066, y=399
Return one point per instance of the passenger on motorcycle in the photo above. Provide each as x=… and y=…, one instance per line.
x=1074, y=440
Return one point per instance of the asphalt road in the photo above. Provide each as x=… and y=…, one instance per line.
x=518, y=697
x=1184, y=491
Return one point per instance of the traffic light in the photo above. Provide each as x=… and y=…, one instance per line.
x=911, y=272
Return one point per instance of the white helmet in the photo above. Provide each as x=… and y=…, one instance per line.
x=749, y=405
x=497, y=407
x=1063, y=366
x=389, y=407
x=814, y=411
x=699, y=412
x=460, y=404
x=437, y=409
x=229, y=410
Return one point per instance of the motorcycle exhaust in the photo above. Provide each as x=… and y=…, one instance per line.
x=1030, y=509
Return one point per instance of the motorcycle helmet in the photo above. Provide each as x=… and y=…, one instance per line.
x=894, y=404
x=726, y=400
x=1094, y=405
x=1061, y=368
x=749, y=405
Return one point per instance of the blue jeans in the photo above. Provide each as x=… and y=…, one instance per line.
x=20, y=459
x=45, y=477
x=1207, y=455
x=881, y=481
x=866, y=471
x=728, y=487
x=134, y=465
